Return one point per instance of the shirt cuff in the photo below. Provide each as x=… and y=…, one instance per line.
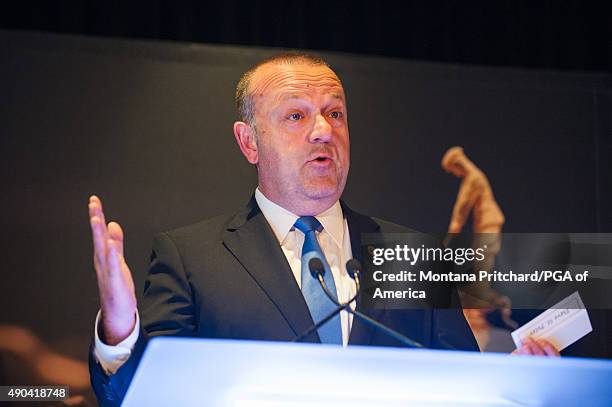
x=111, y=358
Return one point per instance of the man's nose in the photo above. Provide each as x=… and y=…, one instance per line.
x=322, y=130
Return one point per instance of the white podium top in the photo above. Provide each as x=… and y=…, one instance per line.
x=202, y=372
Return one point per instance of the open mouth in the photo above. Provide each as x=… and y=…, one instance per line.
x=320, y=159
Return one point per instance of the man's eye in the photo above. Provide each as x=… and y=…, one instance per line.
x=336, y=115
x=295, y=116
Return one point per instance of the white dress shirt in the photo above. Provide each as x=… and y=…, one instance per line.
x=334, y=240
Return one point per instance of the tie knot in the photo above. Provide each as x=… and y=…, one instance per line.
x=307, y=224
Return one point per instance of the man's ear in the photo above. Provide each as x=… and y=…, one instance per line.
x=245, y=137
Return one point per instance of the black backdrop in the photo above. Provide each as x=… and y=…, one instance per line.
x=147, y=126
x=544, y=34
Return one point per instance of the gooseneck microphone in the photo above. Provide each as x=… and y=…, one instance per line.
x=353, y=268
x=317, y=271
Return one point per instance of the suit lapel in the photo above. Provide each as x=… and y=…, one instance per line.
x=361, y=334
x=251, y=240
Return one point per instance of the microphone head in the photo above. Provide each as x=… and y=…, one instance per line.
x=315, y=265
x=353, y=268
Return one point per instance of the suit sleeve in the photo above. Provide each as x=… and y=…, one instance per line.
x=451, y=331
x=167, y=308
x=450, y=328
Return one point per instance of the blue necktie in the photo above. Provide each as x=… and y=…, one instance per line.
x=319, y=304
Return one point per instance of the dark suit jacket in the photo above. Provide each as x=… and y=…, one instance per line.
x=227, y=277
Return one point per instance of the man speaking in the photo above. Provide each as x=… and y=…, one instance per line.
x=242, y=276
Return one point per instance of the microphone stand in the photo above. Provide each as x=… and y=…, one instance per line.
x=354, y=274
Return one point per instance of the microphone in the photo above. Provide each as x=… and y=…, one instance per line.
x=317, y=270
x=353, y=268
x=315, y=265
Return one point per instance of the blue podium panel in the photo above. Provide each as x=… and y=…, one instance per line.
x=201, y=372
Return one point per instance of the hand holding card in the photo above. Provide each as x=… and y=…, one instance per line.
x=560, y=326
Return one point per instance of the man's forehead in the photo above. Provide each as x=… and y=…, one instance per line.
x=293, y=80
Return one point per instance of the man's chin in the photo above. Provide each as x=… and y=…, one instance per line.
x=323, y=191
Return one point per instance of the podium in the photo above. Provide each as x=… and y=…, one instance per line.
x=203, y=372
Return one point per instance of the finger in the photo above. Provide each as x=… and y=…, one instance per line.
x=116, y=234
x=525, y=348
x=95, y=208
x=535, y=348
x=98, y=231
x=113, y=258
x=95, y=198
x=548, y=348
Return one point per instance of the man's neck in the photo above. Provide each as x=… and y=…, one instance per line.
x=305, y=207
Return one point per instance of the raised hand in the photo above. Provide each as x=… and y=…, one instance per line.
x=115, y=283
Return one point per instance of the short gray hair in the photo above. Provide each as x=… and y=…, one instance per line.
x=244, y=99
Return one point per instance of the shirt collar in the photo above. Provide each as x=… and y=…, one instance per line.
x=281, y=220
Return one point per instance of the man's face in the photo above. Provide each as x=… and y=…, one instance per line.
x=302, y=136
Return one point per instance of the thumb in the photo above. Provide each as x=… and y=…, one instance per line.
x=115, y=233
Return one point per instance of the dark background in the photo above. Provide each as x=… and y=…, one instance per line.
x=568, y=35
x=147, y=125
